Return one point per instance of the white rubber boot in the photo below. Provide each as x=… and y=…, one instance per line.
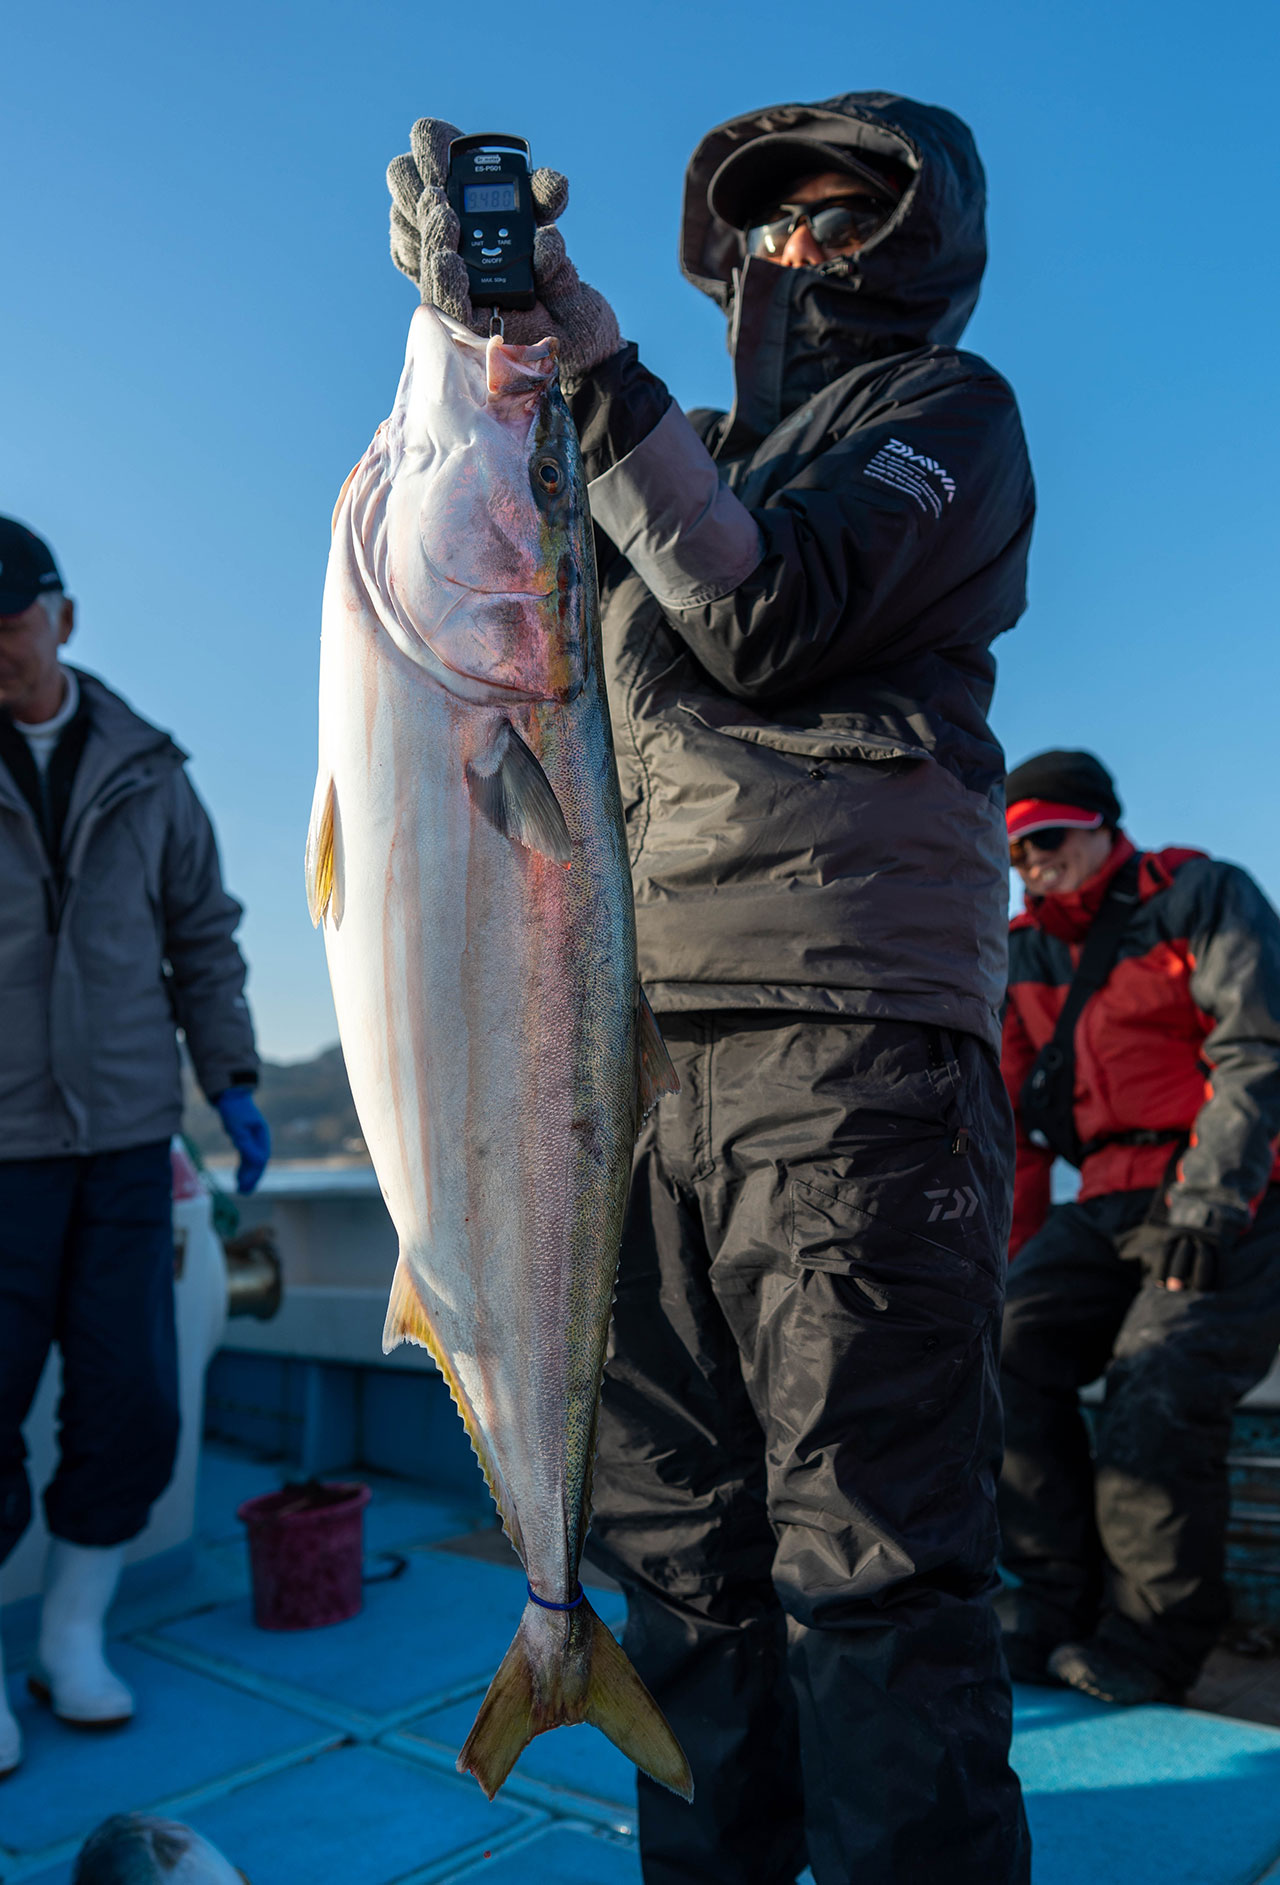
x=10, y=1733
x=70, y=1671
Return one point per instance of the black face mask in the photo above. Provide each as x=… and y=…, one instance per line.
x=792, y=331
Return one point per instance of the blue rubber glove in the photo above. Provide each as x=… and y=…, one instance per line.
x=248, y=1132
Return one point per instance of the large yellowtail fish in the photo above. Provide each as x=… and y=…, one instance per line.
x=466, y=858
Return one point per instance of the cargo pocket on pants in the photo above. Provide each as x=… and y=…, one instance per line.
x=914, y=1307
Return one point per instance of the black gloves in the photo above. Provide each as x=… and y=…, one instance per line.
x=1183, y=1259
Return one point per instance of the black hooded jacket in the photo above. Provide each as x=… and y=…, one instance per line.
x=799, y=599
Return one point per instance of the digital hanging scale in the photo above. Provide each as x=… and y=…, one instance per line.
x=488, y=188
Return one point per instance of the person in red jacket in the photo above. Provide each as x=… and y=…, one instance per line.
x=1142, y=1043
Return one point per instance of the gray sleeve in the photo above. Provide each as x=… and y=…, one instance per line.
x=684, y=533
x=1234, y=939
x=206, y=969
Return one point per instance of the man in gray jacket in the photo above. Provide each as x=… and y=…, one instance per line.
x=800, y=1428
x=116, y=933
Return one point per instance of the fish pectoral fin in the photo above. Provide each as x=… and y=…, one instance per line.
x=654, y=1073
x=553, y=1676
x=320, y=850
x=511, y=790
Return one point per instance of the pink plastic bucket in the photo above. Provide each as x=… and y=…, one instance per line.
x=306, y=1554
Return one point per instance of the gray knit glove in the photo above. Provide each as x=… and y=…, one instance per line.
x=424, y=246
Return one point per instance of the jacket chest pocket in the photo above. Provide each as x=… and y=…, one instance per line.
x=832, y=742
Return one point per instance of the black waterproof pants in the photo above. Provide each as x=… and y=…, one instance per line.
x=800, y=1435
x=1129, y=1544
x=86, y=1261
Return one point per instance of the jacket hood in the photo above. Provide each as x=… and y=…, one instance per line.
x=914, y=283
x=120, y=742
x=119, y=732
x=117, y=738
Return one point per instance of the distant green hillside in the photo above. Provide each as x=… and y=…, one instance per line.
x=308, y=1106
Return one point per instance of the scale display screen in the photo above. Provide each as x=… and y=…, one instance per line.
x=477, y=197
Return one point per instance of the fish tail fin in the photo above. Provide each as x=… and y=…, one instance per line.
x=619, y=1704
x=508, y=1720
x=561, y=1668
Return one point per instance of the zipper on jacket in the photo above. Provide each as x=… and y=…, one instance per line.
x=92, y=816
x=48, y=886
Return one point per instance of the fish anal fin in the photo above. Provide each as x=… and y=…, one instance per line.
x=561, y=1668
x=408, y=1321
x=320, y=869
x=510, y=789
x=655, y=1074
x=406, y=1318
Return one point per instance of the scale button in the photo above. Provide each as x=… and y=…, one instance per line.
x=477, y=233
x=503, y=232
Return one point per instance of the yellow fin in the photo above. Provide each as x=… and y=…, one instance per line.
x=654, y=1073
x=408, y=1321
x=507, y=1722
x=320, y=852
x=554, y=1675
x=619, y=1704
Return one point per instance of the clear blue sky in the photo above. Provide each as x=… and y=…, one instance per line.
x=200, y=329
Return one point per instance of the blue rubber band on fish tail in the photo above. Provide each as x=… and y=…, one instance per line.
x=545, y=1603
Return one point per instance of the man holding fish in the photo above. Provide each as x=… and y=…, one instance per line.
x=800, y=1427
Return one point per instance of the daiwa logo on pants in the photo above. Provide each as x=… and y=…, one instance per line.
x=952, y=1204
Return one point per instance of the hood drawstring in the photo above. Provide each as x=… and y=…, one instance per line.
x=841, y=268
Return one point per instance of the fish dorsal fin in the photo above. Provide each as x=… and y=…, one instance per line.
x=321, y=880
x=408, y=1321
x=654, y=1073
x=512, y=791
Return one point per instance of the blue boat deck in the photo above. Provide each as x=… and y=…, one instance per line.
x=329, y=1754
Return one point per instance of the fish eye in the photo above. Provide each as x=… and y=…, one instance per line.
x=549, y=475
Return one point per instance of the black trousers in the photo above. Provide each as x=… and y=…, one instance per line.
x=86, y=1261
x=1129, y=1544
x=800, y=1435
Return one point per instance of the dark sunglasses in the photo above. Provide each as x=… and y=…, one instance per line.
x=1052, y=838
x=832, y=223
